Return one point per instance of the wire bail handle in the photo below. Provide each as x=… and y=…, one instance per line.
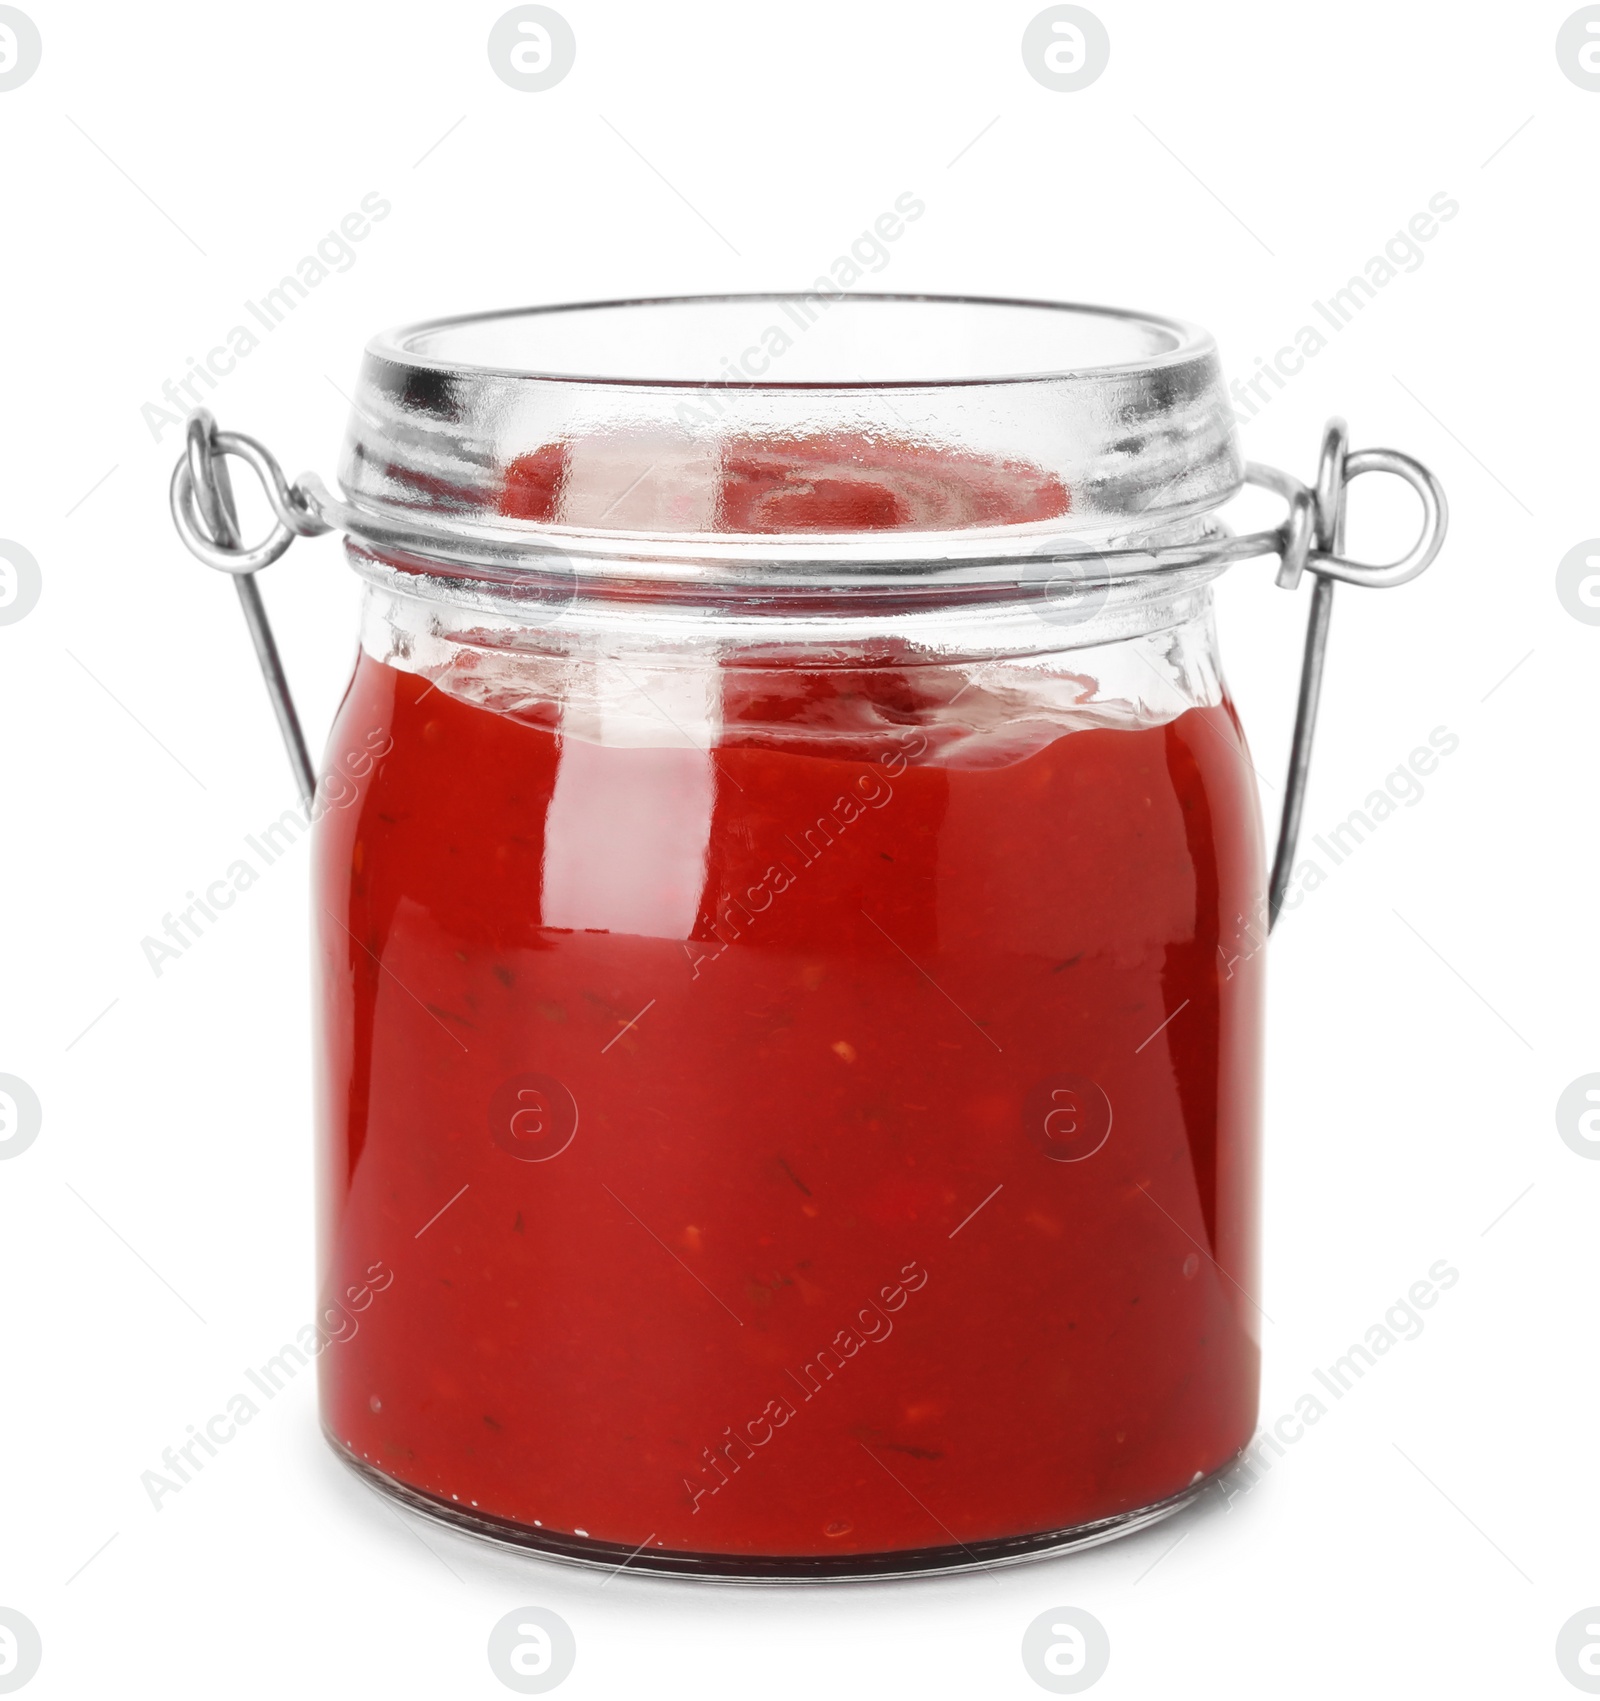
x=1309, y=540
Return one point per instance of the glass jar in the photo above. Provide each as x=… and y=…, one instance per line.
x=789, y=944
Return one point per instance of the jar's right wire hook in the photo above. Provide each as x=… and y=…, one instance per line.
x=1311, y=540
x=1319, y=524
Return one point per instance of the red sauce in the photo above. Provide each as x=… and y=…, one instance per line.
x=771, y=485
x=825, y=1145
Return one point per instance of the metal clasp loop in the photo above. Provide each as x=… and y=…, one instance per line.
x=202, y=500
x=1311, y=546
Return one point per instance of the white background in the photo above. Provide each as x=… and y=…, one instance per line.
x=1236, y=162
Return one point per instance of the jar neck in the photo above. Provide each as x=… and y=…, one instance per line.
x=1027, y=598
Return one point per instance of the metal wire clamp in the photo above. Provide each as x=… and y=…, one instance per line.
x=1309, y=540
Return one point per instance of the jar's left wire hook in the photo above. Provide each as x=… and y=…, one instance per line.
x=203, y=510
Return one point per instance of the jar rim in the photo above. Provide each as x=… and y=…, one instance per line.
x=1185, y=342
x=910, y=436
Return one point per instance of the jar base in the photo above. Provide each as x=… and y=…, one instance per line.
x=566, y=1549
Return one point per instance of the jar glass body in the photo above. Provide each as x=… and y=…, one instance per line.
x=805, y=1089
